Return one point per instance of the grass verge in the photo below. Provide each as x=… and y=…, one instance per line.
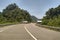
x=49, y=27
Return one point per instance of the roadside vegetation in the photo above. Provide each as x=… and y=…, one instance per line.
x=52, y=17
x=13, y=14
x=51, y=20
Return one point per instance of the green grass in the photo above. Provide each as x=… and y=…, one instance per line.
x=8, y=23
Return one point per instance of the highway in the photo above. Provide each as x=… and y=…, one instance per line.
x=27, y=32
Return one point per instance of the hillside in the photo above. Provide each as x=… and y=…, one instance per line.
x=12, y=13
x=34, y=19
x=52, y=17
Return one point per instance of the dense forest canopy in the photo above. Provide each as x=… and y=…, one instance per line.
x=52, y=17
x=12, y=13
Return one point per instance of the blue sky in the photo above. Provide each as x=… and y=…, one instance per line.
x=34, y=7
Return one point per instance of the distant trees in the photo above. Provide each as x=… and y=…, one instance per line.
x=52, y=17
x=12, y=13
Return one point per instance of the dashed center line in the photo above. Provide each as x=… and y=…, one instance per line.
x=30, y=34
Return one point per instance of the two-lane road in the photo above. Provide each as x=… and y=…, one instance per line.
x=28, y=32
x=16, y=32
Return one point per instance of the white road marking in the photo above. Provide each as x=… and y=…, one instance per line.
x=30, y=34
x=1, y=30
x=6, y=28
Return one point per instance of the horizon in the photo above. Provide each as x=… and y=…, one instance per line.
x=32, y=6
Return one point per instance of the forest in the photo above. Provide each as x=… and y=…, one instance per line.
x=52, y=17
x=13, y=14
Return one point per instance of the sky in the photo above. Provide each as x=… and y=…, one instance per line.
x=37, y=8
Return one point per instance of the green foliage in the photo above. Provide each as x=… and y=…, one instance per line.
x=45, y=22
x=12, y=13
x=52, y=17
x=54, y=22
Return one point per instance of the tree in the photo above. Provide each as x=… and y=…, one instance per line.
x=52, y=17
x=12, y=13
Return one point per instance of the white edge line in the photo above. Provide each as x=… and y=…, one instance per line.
x=30, y=33
x=5, y=29
x=1, y=30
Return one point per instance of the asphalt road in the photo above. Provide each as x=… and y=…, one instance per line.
x=27, y=32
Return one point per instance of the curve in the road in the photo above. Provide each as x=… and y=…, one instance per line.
x=30, y=34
